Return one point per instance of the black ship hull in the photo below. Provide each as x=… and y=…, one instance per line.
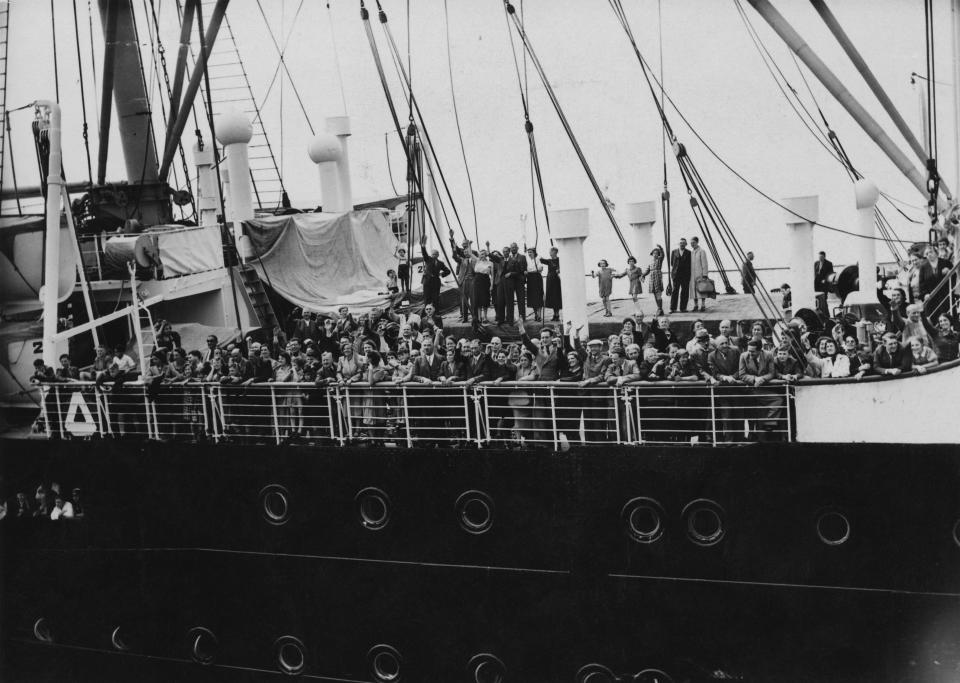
x=199, y=562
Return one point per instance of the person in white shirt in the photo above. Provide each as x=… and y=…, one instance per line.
x=121, y=369
x=61, y=508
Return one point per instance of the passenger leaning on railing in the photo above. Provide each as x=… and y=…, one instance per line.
x=891, y=358
x=923, y=357
x=723, y=363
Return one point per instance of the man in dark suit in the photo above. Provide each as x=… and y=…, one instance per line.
x=478, y=364
x=680, y=276
x=515, y=274
x=822, y=270
x=748, y=275
x=433, y=270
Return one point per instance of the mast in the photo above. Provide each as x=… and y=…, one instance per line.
x=122, y=58
x=124, y=85
x=840, y=93
x=858, y=61
x=955, y=18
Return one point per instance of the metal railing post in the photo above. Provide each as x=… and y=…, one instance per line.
x=616, y=414
x=147, y=413
x=636, y=397
x=476, y=414
x=486, y=414
x=406, y=418
x=553, y=419
x=713, y=415
x=466, y=410
x=330, y=402
x=276, y=418
x=56, y=391
x=788, y=403
x=204, y=407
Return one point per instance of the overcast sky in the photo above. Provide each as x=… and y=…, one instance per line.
x=712, y=71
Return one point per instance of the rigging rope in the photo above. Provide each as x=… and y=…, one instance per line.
x=365, y=17
x=703, y=205
x=282, y=63
x=429, y=149
x=456, y=118
x=511, y=12
x=665, y=194
x=536, y=178
x=56, y=64
x=830, y=141
x=933, y=176
x=83, y=96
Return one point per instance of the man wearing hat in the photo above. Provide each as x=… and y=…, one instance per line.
x=466, y=259
x=433, y=270
x=703, y=347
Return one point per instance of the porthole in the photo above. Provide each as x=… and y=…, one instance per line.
x=652, y=676
x=956, y=532
x=374, y=508
x=118, y=642
x=42, y=631
x=275, y=502
x=487, y=668
x=385, y=664
x=203, y=645
x=643, y=519
x=833, y=527
x=475, y=512
x=595, y=673
x=704, y=520
x=290, y=655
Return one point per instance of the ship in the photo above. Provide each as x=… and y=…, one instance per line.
x=537, y=532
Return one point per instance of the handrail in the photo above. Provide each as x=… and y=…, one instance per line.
x=946, y=281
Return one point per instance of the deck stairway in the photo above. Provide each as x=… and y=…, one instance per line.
x=257, y=295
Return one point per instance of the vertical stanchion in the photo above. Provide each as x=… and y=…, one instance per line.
x=616, y=414
x=146, y=415
x=788, y=403
x=44, y=392
x=56, y=391
x=486, y=414
x=97, y=397
x=203, y=408
x=553, y=419
x=476, y=413
x=466, y=411
x=333, y=430
x=713, y=415
x=636, y=397
x=276, y=418
x=348, y=415
x=406, y=418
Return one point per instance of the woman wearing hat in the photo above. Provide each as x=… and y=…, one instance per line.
x=656, y=277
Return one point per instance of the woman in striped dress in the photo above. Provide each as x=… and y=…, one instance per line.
x=656, y=277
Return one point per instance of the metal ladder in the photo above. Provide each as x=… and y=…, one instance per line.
x=4, y=42
x=230, y=89
x=258, y=297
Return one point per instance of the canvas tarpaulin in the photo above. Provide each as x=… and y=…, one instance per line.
x=321, y=261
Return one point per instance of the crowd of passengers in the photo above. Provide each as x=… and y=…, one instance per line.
x=44, y=502
x=383, y=346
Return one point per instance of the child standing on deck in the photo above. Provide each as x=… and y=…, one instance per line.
x=634, y=275
x=605, y=275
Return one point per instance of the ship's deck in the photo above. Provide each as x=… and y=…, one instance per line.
x=732, y=307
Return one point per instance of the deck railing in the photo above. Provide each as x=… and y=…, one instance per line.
x=551, y=415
